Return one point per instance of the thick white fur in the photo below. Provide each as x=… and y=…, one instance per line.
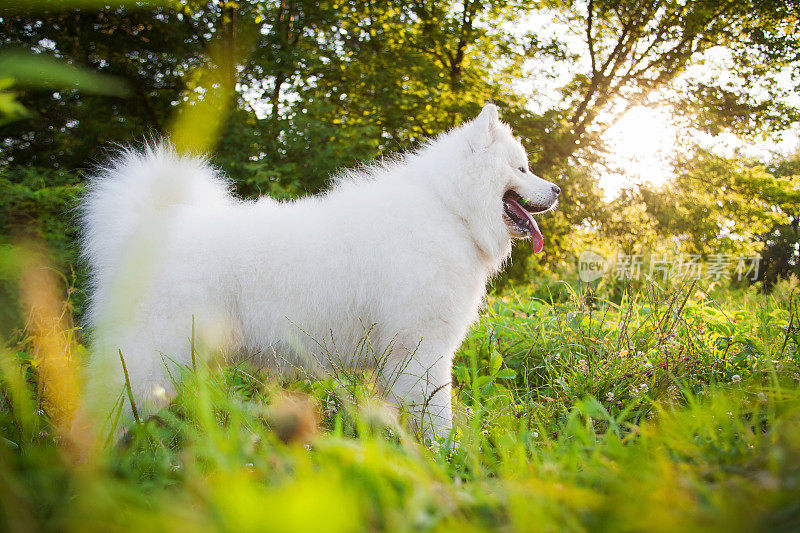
x=401, y=251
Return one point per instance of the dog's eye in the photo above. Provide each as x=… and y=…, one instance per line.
x=521, y=169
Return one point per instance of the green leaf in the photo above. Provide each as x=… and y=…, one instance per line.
x=28, y=69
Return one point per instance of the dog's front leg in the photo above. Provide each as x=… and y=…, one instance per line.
x=421, y=383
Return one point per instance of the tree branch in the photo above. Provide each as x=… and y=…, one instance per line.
x=589, y=38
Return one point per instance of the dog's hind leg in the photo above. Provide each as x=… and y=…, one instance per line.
x=126, y=366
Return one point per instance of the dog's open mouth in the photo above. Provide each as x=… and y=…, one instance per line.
x=520, y=220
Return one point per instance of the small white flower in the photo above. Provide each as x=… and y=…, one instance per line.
x=610, y=396
x=159, y=393
x=736, y=378
x=644, y=388
x=535, y=434
x=648, y=365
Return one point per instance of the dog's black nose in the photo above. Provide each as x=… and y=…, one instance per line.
x=556, y=189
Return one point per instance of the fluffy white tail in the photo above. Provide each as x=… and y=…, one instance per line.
x=134, y=191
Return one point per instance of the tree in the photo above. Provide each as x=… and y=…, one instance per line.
x=637, y=52
x=781, y=243
x=69, y=127
x=718, y=205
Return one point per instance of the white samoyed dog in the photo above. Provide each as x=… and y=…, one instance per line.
x=397, y=254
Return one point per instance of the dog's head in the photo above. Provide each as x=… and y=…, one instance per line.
x=498, y=192
x=520, y=192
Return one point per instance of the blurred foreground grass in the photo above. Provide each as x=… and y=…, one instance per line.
x=662, y=410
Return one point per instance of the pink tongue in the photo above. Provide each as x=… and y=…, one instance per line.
x=536, y=235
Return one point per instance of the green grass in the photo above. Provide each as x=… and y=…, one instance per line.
x=653, y=410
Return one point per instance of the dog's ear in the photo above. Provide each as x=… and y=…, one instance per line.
x=481, y=131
